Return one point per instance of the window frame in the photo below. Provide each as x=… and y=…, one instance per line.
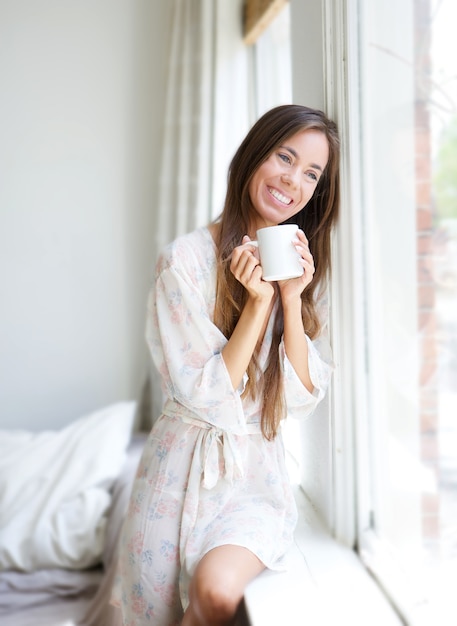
x=353, y=432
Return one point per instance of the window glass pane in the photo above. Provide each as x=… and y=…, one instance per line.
x=439, y=367
x=272, y=60
x=409, y=128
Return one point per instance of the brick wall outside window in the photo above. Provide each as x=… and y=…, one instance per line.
x=427, y=317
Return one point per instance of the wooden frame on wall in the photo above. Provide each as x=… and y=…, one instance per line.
x=257, y=16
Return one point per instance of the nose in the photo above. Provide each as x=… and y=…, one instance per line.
x=290, y=177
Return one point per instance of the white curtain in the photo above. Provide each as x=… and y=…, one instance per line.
x=207, y=114
x=186, y=169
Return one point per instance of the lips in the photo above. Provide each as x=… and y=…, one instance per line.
x=279, y=196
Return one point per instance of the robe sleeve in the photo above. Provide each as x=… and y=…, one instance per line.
x=186, y=347
x=300, y=402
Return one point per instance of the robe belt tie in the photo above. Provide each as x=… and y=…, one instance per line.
x=219, y=449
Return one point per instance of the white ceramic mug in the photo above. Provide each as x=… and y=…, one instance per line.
x=278, y=257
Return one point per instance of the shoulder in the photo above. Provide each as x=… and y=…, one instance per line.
x=196, y=244
x=192, y=255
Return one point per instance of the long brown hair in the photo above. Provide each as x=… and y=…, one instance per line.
x=316, y=219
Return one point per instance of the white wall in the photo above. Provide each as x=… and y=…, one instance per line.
x=80, y=124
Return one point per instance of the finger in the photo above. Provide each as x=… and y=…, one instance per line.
x=302, y=237
x=239, y=250
x=304, y=253
x=248, y=244
x=246, y=239
x=301, y=240
x=249, y=266
x=308, y=267
x=243, y=266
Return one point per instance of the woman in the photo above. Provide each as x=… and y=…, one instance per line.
x=211, y=506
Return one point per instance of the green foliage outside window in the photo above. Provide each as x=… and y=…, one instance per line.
x=445, y=178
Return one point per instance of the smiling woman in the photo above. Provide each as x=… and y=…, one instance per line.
x=236, y=354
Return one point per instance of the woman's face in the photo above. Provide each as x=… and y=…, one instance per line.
x=285, y=182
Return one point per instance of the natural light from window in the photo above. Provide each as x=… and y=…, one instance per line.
x=409, y=130
x=406, y=451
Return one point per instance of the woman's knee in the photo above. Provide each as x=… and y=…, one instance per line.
x=214, y=601
x=219, y=581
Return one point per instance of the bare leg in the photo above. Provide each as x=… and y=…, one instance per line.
x=218, y=584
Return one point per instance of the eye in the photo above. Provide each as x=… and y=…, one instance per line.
x=285, y=157
x=312, y=175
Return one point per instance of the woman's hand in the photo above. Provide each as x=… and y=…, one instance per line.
x=238, y=350
x=246, y=268
x=294, y=286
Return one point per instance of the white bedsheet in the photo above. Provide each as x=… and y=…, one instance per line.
x=54, y=490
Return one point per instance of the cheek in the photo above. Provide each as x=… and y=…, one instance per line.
x=308, y=190
x=253, y=187
x=251, y=192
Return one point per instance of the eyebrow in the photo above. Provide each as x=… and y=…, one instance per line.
x=295, y=154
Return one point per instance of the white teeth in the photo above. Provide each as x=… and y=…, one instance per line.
x=276, y=194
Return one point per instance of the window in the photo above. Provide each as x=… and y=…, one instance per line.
x=272, y=64
x=407, y=439
x=382, y=469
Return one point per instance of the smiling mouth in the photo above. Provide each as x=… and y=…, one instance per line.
x=279, y=196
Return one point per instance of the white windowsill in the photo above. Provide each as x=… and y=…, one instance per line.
x=325, y=584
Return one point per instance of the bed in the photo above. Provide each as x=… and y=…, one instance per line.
x=63, y=497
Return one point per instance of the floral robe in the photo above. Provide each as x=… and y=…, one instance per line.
x=207, y=475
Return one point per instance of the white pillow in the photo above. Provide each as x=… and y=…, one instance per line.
x=54, y=490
